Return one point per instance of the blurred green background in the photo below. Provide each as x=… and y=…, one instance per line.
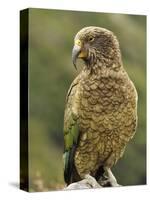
x=51, y=72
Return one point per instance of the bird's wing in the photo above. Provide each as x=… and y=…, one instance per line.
x=71, y=132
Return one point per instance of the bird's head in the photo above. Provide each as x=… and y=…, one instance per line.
x=96, y=46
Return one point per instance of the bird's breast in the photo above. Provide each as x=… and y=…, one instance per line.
x=107, y=119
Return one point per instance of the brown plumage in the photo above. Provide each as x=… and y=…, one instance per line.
x=101, y=106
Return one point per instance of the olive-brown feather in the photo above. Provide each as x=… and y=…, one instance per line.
x=104, y=101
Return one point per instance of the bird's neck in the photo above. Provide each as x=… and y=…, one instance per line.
x=98, y=62
x=102, y=66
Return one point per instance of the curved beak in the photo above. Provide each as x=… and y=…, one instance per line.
x=75, y=53
x=78, y=51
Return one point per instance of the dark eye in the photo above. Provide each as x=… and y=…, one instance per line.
x=91, y=39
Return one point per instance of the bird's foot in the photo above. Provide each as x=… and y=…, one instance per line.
x=111, y=180
x=104, y=181
x=108, y=183
x=87, y=183
x=91, y=181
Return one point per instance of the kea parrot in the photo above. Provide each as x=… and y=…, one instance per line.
x=101, y=108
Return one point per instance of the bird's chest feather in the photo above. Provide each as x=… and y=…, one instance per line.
x=100, y=101
x=105, y=106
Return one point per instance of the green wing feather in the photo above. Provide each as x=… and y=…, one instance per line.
x=70, y=139
x=71, y=133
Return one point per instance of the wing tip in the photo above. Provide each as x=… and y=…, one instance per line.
x=67, y=167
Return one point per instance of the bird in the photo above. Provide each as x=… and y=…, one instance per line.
x=100, y=116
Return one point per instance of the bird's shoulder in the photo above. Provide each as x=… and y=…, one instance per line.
x=73, y=87
x=71, y=107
